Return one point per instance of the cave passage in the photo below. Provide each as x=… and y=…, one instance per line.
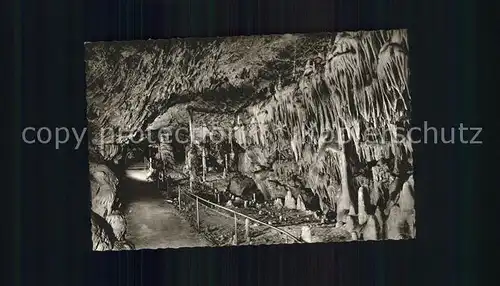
x=152, y=221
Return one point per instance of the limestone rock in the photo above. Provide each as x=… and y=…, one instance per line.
x=309, y=198
x=411, y=181
x=371, y=229
x=274, y=189
x=118, y=224
x=406, y=201
x=254, y=159
x=411, y=221
x=103, y=183
x=378, y=216
x=400, y=224
x=300, y=204
x=352, y=211
x=350, y=224
x=244, y=187
x=306, y=234
x=354, y=236
x=330, y=216
x=101, y=233
x=290, y=201
x=123, y=245
x=323, y=206
x=278, y=203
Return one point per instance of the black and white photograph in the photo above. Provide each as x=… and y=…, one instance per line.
x=250, y=140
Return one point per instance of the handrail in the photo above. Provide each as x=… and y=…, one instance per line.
x=243, y=215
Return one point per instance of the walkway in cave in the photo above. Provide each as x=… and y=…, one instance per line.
x=152, y=222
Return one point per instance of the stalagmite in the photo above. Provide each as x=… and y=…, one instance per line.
x=118, y=224
x=406, y=200
x=300, y=204
x=290, y=201
x=306, y=234
x=362, y=216
x=278, y=203
x=224, y=175
x=370, y=229
x=350, y=226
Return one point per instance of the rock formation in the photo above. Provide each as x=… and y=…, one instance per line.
x=306, y=234
x=108, y=224
x=103, y=184
x=278, y=203
x=118, y=224
x=300, y=204
x=290, y=202
x=101, y=233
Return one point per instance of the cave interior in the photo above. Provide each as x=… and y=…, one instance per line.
x=271, y=120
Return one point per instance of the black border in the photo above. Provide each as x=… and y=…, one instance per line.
x=52, y=238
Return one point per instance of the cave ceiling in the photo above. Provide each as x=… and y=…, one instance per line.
x=291, y=79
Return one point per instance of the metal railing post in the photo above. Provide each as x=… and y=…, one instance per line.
x=247, y=230
x=179, y=196
x=197, y=213
x=235, y=230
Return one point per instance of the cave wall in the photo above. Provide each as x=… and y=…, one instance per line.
x=359, y=83
x=108, y=223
